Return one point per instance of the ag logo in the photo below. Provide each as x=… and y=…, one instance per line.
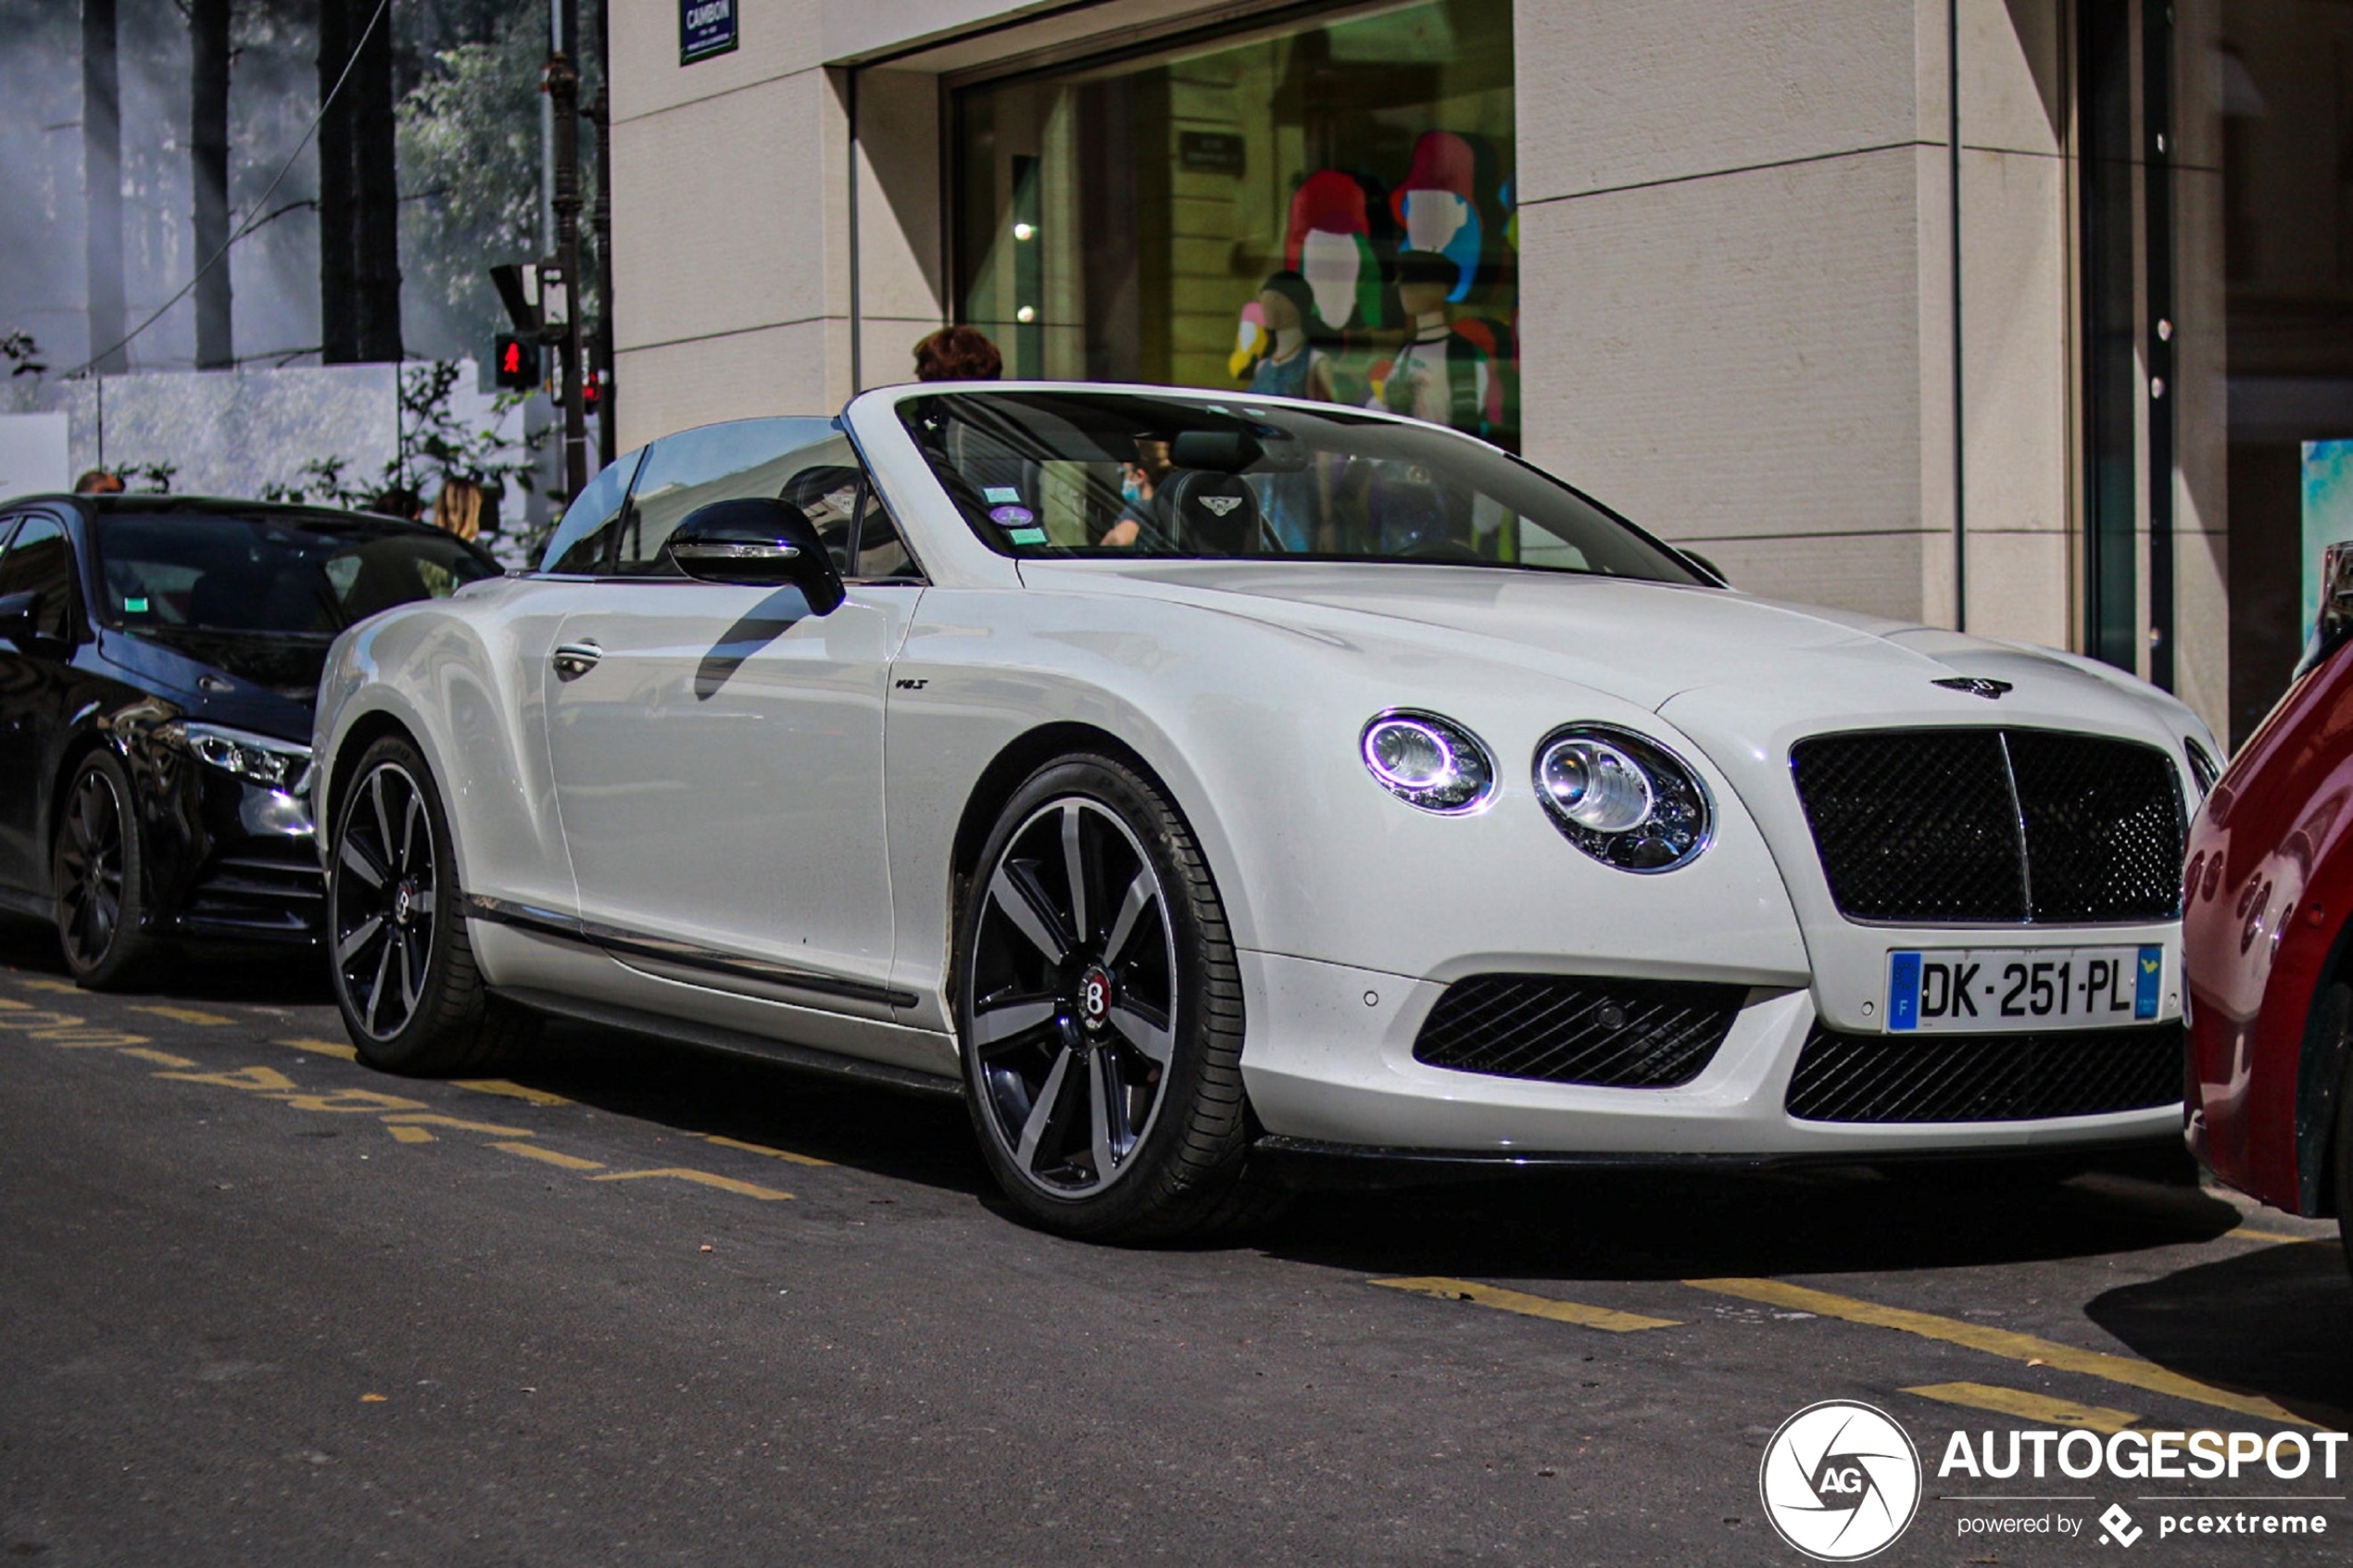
x=1220, y=505
x=1840, y=1481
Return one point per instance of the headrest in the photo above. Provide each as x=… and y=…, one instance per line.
x=1214, y=513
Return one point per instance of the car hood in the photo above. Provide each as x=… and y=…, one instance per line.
x=1724, y=666
x=257, y=682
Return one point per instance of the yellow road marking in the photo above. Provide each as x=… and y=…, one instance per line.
x=724, y=1184
x=762, y=1149
x=12, y=1002
x=67, y=986
x=410, y=1135
x=511, y=1091
x=180, y=1016
x=2244, y=1234
x=2126, y=1370
x=354, y=1099
x=40, y=1020
x=533, y=1151
x=2026, y=1406
x=163, y=1058
x=1532, y=1306
x=267, y=1080
x=430, y=1119
x=87, y=1039
x=325, y=1048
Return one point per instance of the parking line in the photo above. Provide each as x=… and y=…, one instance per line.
x=162, y=1059
x=2027, y=1406
x=2244, y=1234
x=181, y=1015
x=67, y=986
x=785, y=1154
x=433, y=1118
x=325, y=1048
x=401, y=1134
x=2126, y=1370
x=1578, y=1312
x=724, y=1184
x=511, y=1091
x=533, y=1151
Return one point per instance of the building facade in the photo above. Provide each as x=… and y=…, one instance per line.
x=2032, y=316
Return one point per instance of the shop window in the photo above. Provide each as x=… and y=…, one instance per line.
x=1322, y=209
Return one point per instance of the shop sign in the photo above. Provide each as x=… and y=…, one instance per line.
x=705, y=27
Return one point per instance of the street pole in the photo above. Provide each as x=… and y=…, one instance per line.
x=608, y=428
x=563, y=92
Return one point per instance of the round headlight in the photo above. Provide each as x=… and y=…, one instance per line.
x=1626, y=801
x=1427, y=761
x=1594, y=785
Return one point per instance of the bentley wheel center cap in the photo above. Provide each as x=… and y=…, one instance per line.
x=404, y=903
x=1094, y=996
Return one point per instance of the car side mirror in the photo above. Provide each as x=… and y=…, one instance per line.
x=756, y=542
x=19, y=617
x=2332, y=628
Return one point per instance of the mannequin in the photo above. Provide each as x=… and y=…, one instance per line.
x=1434, y=205
x=1440, y=375
x=1290, y=366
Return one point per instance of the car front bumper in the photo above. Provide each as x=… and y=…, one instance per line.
x=1330, y=1063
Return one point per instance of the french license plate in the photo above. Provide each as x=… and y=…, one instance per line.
x=1985, y=989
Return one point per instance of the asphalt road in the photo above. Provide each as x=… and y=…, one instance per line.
x=635, y=1304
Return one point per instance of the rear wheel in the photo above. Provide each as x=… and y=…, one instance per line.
x=1099, y=1006
x=98, y=869
x=404, y=970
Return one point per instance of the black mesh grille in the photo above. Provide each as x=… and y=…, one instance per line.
x=1617, y=1033
x=1940, y=826
x=1985, y=1077
x=2103, y=826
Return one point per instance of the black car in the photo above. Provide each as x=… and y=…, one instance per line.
x=160, y=659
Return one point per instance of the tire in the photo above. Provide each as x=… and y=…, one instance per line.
x=1099, y=1009
x=98, y=867
x=403, y=966
x=2341, y=1160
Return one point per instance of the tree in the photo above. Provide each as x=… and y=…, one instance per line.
x=208, y=165
x=469, y=158
x=358, y=190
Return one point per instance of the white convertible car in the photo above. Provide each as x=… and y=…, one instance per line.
x=1183, y=778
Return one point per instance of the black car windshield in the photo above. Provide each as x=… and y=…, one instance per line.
x=1080, y=474
x=289, y=573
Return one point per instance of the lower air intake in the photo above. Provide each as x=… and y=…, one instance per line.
x=1615, y=1034
x=1985, y=1077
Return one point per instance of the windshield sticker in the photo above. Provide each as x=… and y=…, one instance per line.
x=1009, y=517
x=1001, y=495
x=1027, y=535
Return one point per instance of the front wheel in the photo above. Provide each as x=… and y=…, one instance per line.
x=97, y=866
x=404, y=970
x=1099, y=1006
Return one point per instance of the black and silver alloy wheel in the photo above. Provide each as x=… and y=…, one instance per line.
x=380, y=902
x=403, y=963
x=96, y=869
x=1073, y=995
x=1099, y=1006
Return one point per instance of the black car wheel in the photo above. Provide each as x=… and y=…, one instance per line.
x=98, y=868
x=404, y=969
x=1099, y=1009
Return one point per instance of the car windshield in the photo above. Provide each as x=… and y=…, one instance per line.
x=1079, y=474
x=286, y=574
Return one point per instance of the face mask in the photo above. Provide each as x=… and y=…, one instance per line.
x=1130, y=491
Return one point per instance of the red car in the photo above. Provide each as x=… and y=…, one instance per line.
x=2268, y=947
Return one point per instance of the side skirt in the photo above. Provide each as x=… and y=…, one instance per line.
x=733, y=1042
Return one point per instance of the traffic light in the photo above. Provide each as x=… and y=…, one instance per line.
x=517, y=363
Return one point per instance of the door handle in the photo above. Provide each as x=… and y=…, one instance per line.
x=575, y=659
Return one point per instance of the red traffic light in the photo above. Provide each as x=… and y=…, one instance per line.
x=516, y=363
